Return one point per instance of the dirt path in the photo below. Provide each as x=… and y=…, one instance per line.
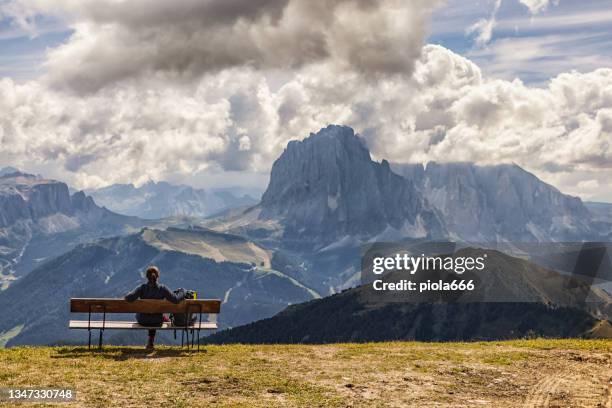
x=542, y=392
x=581, y=383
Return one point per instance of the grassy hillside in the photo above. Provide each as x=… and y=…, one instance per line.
x=513, y=299
x=208, y=244
x=534, y=373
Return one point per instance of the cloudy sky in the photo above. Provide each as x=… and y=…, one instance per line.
x=209, y=92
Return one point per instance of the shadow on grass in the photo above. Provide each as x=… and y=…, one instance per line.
x=125, y=353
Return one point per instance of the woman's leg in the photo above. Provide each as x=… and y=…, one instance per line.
x=151, y=338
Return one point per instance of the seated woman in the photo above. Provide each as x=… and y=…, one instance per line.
x=153, y=290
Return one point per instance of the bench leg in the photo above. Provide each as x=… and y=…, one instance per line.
x=199, y=326
x=89, y=328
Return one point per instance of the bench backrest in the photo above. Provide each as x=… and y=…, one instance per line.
x=85, y=305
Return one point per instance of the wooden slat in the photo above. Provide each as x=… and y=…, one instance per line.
x=122, y=325
x=82, y=305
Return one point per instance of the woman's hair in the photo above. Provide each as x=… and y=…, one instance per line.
x=152, y=273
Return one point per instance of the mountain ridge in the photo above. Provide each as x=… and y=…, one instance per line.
x=156, y=200
x=546, y=304
x=480, y=203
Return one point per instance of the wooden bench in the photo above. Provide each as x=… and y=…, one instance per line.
x=104, y=306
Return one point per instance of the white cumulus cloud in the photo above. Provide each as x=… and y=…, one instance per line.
x=118, y=40
x=193, y=111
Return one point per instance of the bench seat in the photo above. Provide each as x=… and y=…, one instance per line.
x=85, y=305
x=124, y=325
x=155, y=306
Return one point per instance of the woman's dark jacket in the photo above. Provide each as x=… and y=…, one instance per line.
x=153, y=291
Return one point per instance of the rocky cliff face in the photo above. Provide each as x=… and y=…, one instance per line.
x=500, y=203
x=327, y=187
x=39, y=218
x=26, y=197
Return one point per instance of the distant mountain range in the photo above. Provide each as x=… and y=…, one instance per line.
x=155, y=200
x=326, y=191
x=40, y=219
x=551, y=305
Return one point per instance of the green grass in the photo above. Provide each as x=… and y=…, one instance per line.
x=372, y=374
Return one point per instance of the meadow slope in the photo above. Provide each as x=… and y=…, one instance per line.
x=522, y=373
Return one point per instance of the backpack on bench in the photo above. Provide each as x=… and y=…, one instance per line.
x=184, y=319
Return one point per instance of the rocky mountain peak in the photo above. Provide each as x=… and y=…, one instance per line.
x=331, y=147
x=326, y=187
x=82, y=202
x=27, y=197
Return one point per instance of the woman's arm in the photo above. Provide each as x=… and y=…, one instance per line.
x=135, y=294
x=171, y=296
